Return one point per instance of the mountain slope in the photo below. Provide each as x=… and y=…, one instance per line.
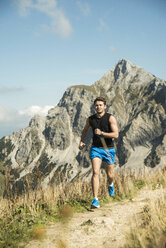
x=49, y=147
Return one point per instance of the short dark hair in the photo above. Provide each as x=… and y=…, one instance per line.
x=100, y=98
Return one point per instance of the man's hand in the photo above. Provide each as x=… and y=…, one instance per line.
x=97, y=131
x=81, y=145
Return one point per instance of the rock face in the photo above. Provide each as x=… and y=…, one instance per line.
x=135, y=97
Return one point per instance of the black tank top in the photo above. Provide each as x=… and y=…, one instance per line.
x=104, y=125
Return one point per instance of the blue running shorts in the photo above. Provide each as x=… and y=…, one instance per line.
x=106, y=155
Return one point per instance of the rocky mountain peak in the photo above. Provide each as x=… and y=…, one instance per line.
x=121, y=68
x=37, y=121
x=135, y=97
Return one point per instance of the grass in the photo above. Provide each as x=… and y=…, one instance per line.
x=21, y=217
x=151, y=233
x=18, y=222
x=24, y=217
x=150, y=230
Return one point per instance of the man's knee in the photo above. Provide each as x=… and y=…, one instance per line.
x=110, y=176
x=96, y=173
x=110, y=173
x=96, y=164
x=110, y=170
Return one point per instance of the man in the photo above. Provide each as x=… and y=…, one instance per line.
x=105, y=129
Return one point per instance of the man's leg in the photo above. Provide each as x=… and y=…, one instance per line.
x=110, y=172
x=110, y=175
x=96, y=164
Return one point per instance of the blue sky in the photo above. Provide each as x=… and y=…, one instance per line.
x=47, y=46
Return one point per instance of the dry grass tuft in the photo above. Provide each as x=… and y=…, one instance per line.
x=38, y=232
x=150, y=230
x=61, y=243
x=66, y=212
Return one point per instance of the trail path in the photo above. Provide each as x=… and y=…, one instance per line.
x=103, y=228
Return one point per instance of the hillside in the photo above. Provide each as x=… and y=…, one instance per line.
x=49, y=147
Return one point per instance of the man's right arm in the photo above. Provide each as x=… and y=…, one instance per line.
x=84, y=134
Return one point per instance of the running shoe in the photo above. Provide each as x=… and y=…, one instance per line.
x=111, y=190
x=95, y=203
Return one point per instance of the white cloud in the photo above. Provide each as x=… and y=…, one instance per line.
x=59, y=23
x=10, y=115
x=84, y=7
x=7, y=115
x=112, y=48
x=12, y=119
x=36, y=34
x=4, y=90
x=102, y=25
x=33, y=110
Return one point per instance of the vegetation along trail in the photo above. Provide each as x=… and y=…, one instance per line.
x=105, y=227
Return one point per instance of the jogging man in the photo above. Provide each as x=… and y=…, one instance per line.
x=105, y=129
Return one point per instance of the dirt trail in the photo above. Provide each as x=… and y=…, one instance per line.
x=103, y=228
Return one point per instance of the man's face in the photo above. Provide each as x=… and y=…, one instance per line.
x=100, y=107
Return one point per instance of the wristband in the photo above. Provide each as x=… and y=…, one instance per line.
x=102, y=134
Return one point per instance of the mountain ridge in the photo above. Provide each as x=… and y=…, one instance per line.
x=136, y=98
